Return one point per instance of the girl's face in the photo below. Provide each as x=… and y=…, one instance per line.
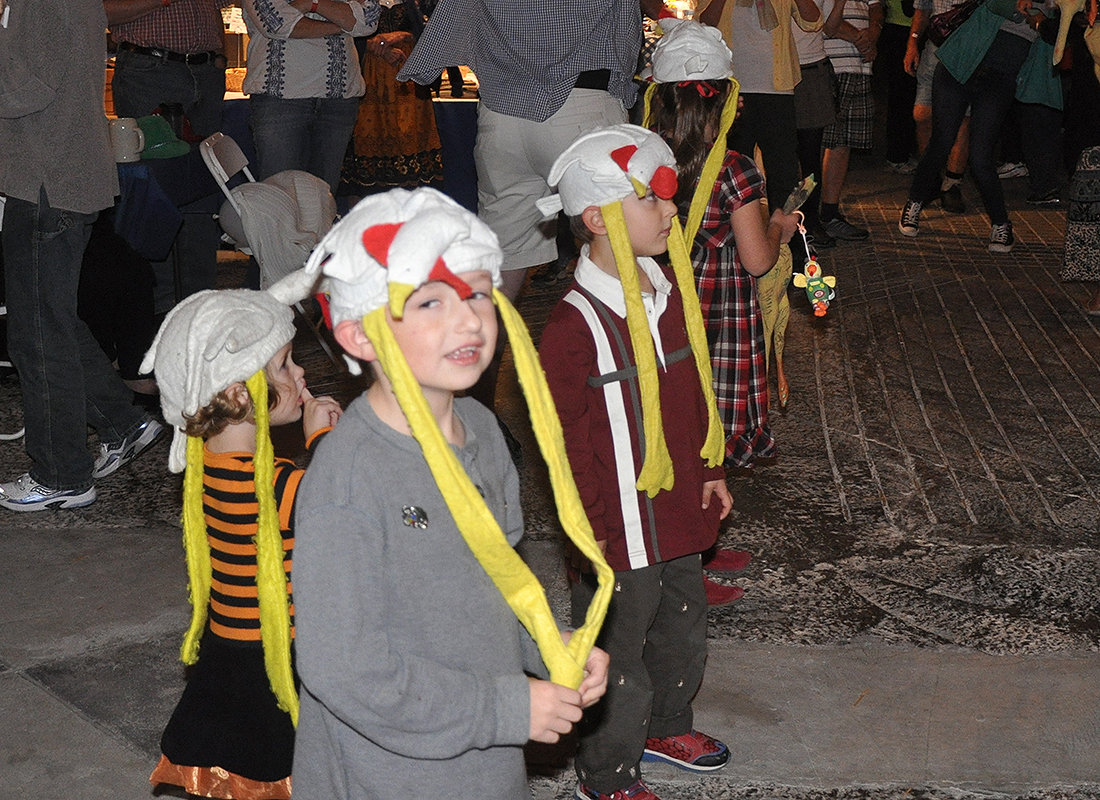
x=289, y=381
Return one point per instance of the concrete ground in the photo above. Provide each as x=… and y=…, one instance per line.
x=921, y=615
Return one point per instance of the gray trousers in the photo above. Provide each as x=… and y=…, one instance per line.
x=656, y=635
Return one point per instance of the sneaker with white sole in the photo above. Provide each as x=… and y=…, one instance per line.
x=1001, y=238
x=635, y=791
x=112, y=457
x=1012, y=169
x=693, y=751
x=27, y=494
x=909, y=224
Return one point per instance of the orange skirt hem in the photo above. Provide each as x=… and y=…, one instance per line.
x=218, y=782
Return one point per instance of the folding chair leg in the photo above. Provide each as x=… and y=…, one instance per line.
x=300, y=312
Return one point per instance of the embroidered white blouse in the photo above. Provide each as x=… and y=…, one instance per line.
x=301, y=68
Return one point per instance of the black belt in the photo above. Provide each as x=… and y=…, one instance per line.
x=183, y=58
x=593, y=79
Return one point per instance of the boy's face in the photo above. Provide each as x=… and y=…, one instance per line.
x=447, y=341
x=648, y=221
x=289, y=380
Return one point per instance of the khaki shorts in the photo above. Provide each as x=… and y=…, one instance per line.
x=514, y=157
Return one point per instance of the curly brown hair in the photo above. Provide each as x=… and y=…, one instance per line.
x=223, y=410
x=688, y=121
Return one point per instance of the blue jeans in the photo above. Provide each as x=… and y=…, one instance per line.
x=140, y=84
x=66, y=380
x=989, y=93
x=309, y=134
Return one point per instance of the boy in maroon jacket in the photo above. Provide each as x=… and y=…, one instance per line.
x=628, y=368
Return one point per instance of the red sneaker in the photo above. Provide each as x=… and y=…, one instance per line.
x=728, y=561
x=693, y=751
x=721, y=595
x=635, y=791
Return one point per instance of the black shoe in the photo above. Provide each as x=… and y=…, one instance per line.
x=820, y=239
x=1051, y=198
x=952, y=200
x=840, y=228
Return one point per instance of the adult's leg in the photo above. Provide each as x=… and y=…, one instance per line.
x=834, y=169
x=948, y=110
x=809, y=159
x=901, y=90
x=330, y=132
x=205, y=108
x=141, y=83
x=992, y=89
x=280, y=131
x=778, y=140
x=1041, y=140
x=65, y=378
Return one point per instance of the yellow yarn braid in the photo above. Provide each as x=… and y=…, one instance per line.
x=548, y=432
x=520, y=588
x=714, y=448
x=196, y=549
x=656, y=473
x=270, y=571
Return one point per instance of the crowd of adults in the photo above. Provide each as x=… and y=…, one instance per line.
x=547, y=72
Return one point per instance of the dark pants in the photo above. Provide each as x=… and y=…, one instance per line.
x=768, y=121
x=656, y=635
x=66, y=380
x=140, y=84
x=989, y=92
x=901, y=90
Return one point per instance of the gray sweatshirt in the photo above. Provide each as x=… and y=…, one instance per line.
x=412, y=664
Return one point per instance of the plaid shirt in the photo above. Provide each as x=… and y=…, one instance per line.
x=527, y=55
x=185, y=26
x=731, y=313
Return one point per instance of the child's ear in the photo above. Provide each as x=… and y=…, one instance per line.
x=350, y=336
x=593, y=220
x=238, y=395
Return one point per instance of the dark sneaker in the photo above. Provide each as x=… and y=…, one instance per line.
x=909, y=224
x=1012, y=169
x=820, y=239
x=1001, y=238
x=902, y=167
x=114, y=456
x=635, y=791
x=693, y=751
x=952, y=200
x=1051, y=198
x=840, y=228
x=27, y=494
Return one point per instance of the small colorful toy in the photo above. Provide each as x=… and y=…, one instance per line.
x=820, y=288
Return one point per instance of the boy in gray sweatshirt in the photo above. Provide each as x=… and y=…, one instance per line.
x=414, y=665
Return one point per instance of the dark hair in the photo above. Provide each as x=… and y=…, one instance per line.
x=222, y=411
x=580, y=229
x=688, y=121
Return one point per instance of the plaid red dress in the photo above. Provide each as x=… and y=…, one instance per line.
x=731, y=312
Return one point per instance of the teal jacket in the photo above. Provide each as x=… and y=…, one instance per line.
x=1037, y=80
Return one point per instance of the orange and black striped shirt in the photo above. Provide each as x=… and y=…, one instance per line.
x=229, y=503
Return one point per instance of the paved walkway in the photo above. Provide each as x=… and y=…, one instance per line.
x=922, y=607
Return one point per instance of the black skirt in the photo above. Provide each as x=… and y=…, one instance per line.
x=228, y=716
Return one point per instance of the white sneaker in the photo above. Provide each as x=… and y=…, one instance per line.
x=27, y=494
x=1012, y=169
x=114, y=456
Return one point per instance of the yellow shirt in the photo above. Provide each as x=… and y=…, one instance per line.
x=785, y=69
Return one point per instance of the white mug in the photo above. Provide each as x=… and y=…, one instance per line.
x=127, y=139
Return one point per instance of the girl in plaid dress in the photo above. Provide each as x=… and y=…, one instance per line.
x=732, y=241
